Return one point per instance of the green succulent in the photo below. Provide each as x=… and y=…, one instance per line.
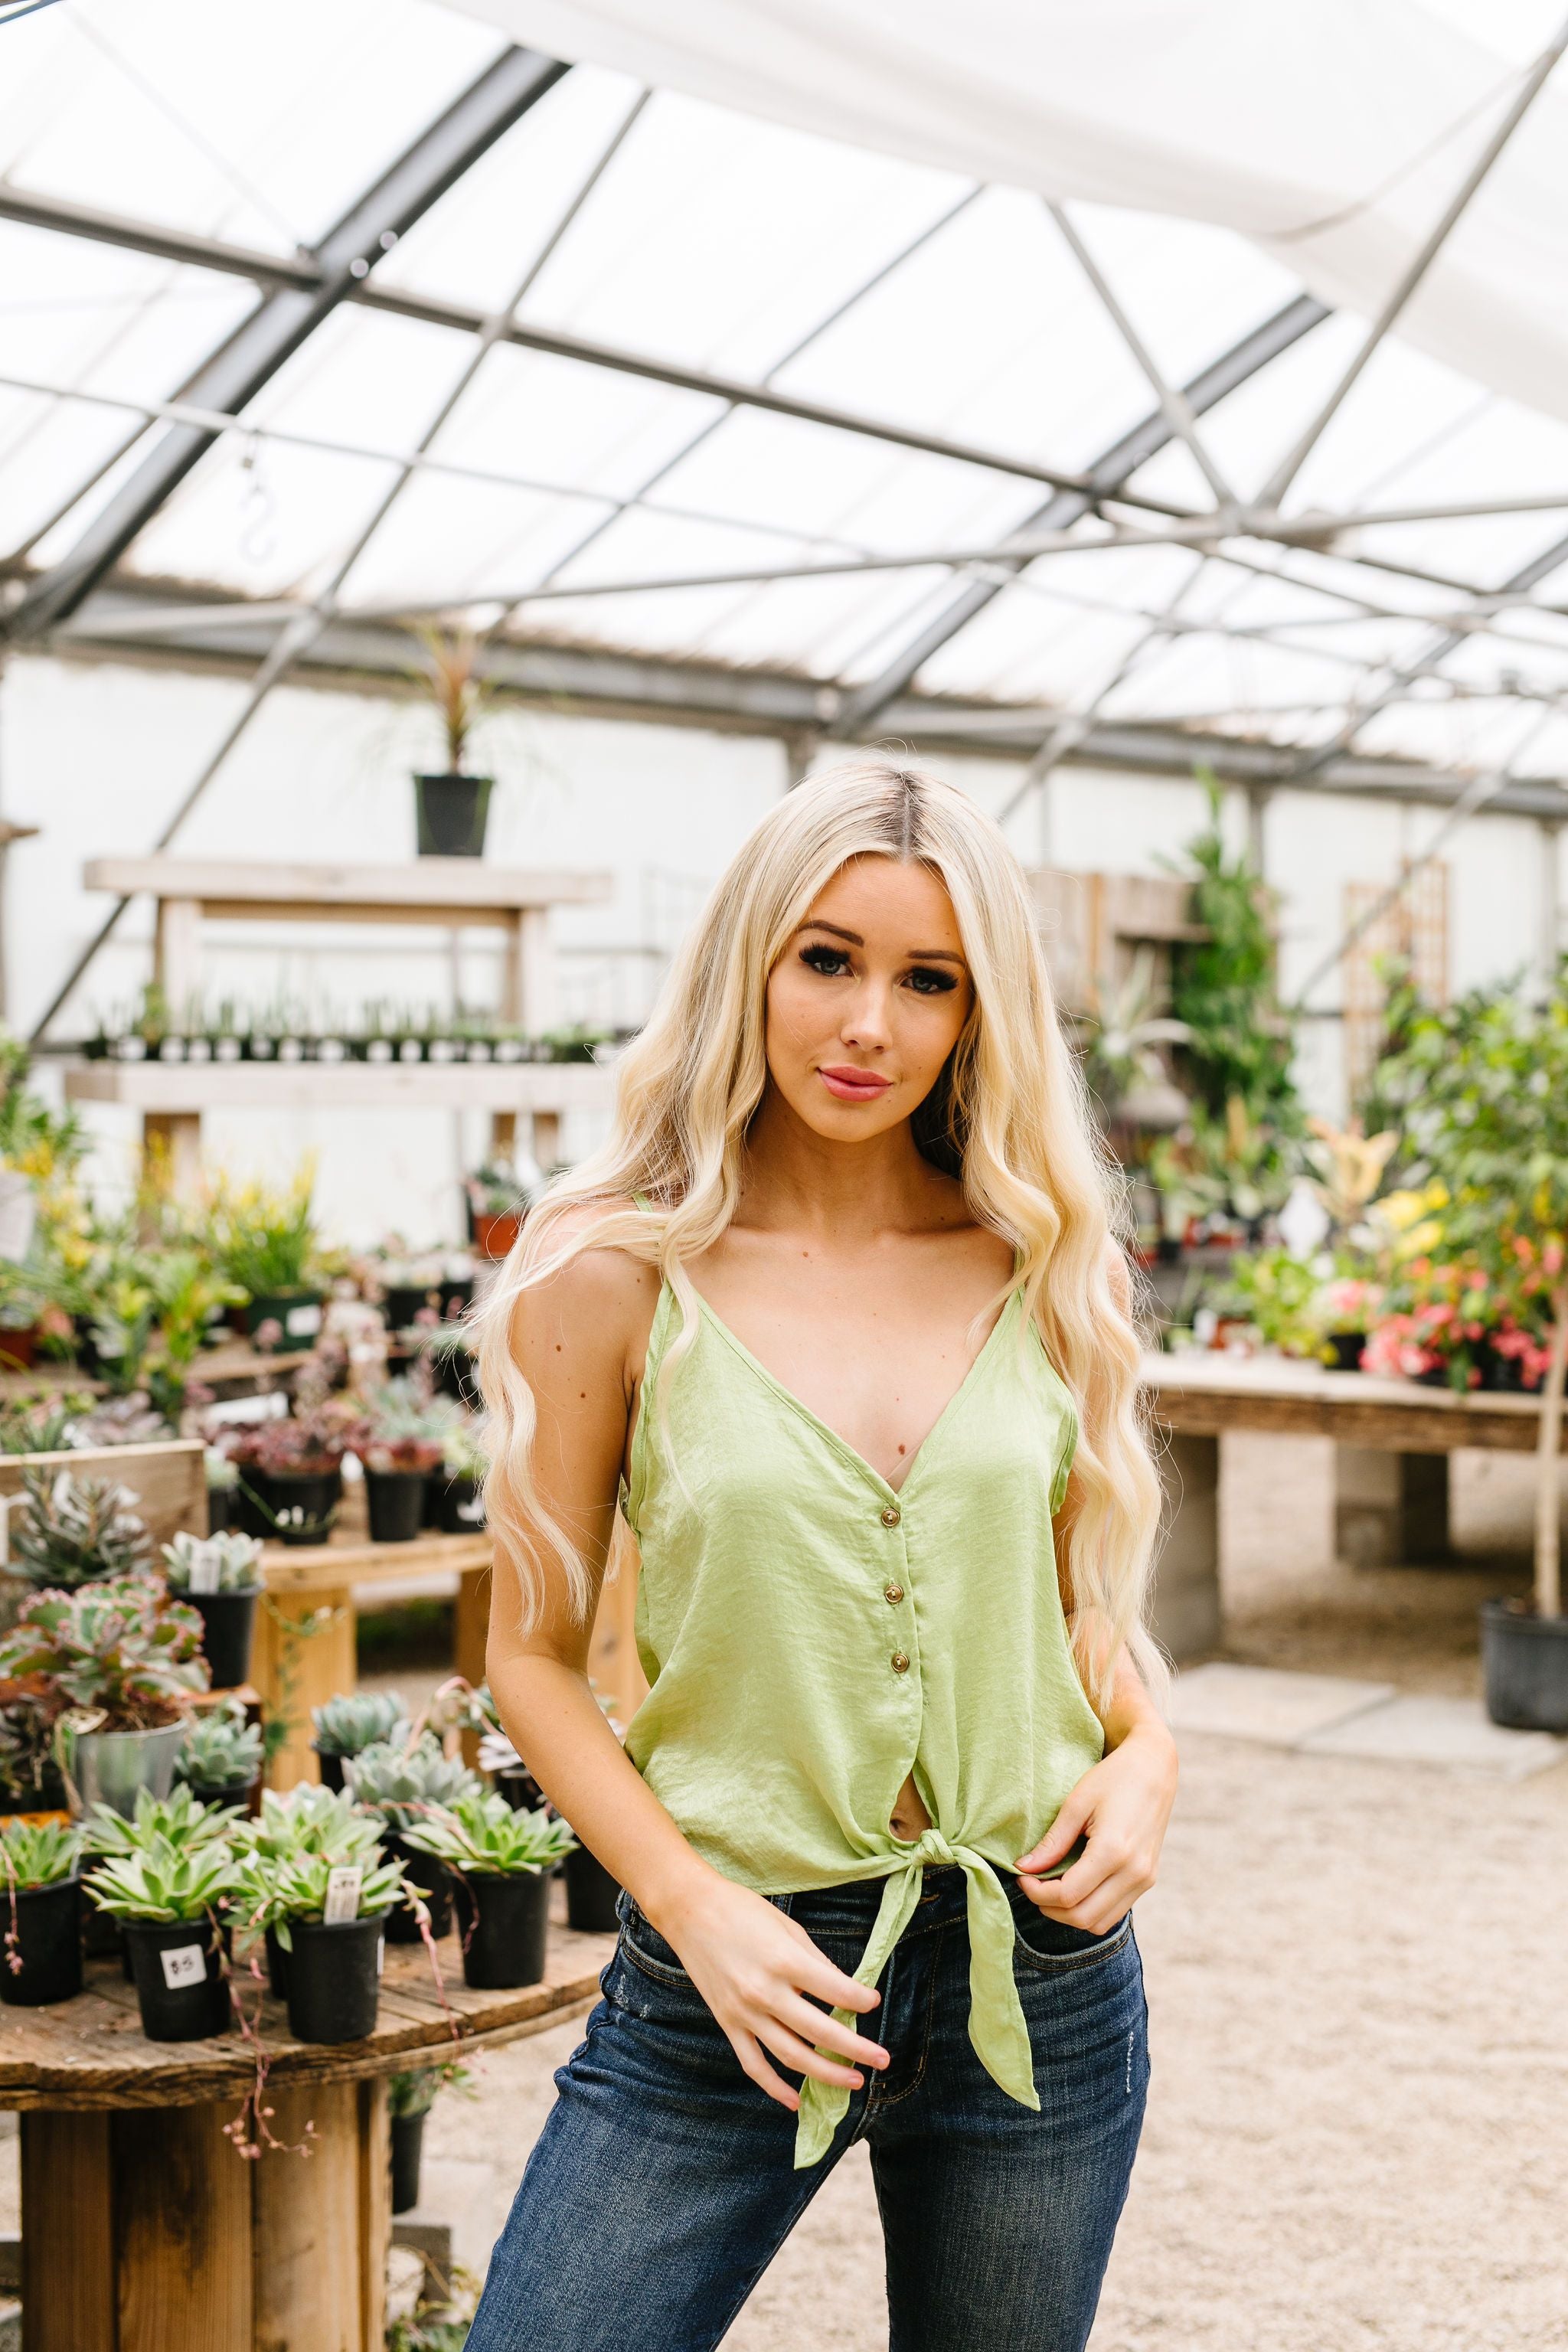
x=180, y=1821
x=415, y=2094
x=403, y=1783
x=232, y=1558
x=76, y=1531
x=221, y=1749
x=273, y=1893
x=310, y=1819
x=122, y=1648
x=166, y=1884
x=357, y=1719
x=482, y=1833
x=37, y=1853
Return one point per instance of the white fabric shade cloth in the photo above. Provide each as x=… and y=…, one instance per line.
x=1333, y=135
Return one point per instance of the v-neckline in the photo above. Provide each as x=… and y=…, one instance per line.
x=835, y=1437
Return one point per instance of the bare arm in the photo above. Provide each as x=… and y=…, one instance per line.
x=577, y=1339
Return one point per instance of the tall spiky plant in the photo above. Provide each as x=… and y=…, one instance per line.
x=77, y=1532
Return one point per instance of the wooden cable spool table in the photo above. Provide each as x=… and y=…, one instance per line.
x=143, y=2229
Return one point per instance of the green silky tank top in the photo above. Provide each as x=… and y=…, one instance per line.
x=812, y=1636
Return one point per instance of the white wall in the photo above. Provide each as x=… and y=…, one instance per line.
x=97, y=754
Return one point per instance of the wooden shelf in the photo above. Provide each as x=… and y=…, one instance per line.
x=428, y=891
x=183, y=1088
x=1204, y=1393
x=351, y=1558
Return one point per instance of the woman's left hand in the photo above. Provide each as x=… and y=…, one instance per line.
x=1120, y=1807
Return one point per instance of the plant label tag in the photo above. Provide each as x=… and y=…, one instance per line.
x=184, y=1964
x=343, y=1895
x=203, y=1570
x=303, y=1322
x=380, y=1953
x=471, y=1514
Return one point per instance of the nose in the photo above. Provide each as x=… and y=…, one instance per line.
x=868, y=1021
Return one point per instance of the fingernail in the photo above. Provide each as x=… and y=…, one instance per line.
x=857, y=2082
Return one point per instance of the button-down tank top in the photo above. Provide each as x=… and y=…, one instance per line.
x=812, y=1636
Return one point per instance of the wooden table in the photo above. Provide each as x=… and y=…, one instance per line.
x=144, y=2231
x=1393, y=1439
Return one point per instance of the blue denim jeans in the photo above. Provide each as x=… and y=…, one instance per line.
x=663, y=2183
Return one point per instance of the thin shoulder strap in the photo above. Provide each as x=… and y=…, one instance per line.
x=643, y=1203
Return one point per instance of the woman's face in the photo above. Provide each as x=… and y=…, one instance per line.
x=868, y=1000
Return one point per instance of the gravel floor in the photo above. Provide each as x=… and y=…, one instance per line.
x=1358, y=2127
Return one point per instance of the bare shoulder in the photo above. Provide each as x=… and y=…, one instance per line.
x=603, y=1298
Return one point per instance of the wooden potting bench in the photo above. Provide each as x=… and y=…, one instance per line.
x=1393, y=1441
x=144, y=2231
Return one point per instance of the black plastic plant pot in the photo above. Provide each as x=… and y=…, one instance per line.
x=314, y=1493
x=403, y=1302
x=402, y=1927
x=1346, y=1350
x=276, y=1966
x=46, y=1795
x=332, y=1766
x=221, y=1508
x=434, y=1483
x=1524, y=1659
x=408, y=2148
x=47, y=1930
x=228, y=1624
x=501, y=1918
x=522, y=1792
x=180, y=1982
x=591, y=1893
x=462, y=1512
x=297, y=1313
x=456, y=1376
x=333, y=1980
x=249, y=1505
x=225, y=1792
x=394, y=1501
x=451, y=812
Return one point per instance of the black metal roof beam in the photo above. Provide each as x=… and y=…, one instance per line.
x=253, y=355
x=1107, y=477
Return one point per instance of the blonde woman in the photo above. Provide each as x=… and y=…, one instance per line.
x=836, y=1322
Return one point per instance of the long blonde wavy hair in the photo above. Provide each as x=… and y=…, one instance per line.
x=1007, y=1115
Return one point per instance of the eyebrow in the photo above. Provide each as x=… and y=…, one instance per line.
x=917, y=955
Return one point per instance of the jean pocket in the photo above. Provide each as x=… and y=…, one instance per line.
x=1054, y=1948
x=646, y=1949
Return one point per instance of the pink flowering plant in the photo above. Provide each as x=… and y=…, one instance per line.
x=1485, y=1092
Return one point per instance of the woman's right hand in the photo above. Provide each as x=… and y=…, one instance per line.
x=755, y=1966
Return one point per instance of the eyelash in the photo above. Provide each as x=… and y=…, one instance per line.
x=831, y=962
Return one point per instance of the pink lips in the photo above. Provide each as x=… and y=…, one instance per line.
x=852, y=1085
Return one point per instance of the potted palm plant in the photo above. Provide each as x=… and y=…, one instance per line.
x=352, y=1721
x=221, y=1761
x=501, y=1863
x=167, y=1899
x=40, y=1928
x=404, y=1782
x=220, y=1576
x=76, y=1531
x=452, y=806
x=125, y=1660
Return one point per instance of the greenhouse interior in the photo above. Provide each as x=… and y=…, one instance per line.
x=466, y=467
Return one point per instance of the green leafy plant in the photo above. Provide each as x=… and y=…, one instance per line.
x=178, y=1819
x=222, y=1750
x=164, y=1883
x=404, y=1783
x=121, y=1649
x=263, y=1238
x=448, y=675
x=407, y=1427
x=233, y=1559
x=415, y=2094
x=483, y=1834
x=1279, y=1295
x=76, y=1531
x=355, y=1719
x=275, y=1892
x=37, y=1853
x=463, y=1453
x=310, y=1819
x=43, y=1423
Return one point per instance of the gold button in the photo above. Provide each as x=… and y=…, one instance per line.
x=890, y=1516
x=892, y=1594
x=899, y=1663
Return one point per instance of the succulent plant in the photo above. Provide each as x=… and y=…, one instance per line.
x=76, y=1531
x=414, y=2093
x=406, y=1428
x=181, y=1821
x=122, y=1648
x=37, y=1853
x=356, y=1718
x=483, y=1833
x=310, y=1820
x=270, y=1893
x=164, y=1883
x=222, y=1750
x=229, y=1558
x=403, y=1783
